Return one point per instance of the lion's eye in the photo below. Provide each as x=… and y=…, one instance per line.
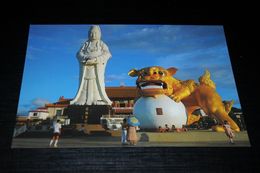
x=160, y=73
x=155, y=72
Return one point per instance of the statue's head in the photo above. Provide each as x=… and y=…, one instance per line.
x=94, y=33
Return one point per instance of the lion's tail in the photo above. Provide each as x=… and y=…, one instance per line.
x=205, y=80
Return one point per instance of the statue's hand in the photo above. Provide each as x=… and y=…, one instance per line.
x=91, y=61
x=83, y=61
x=87, y=59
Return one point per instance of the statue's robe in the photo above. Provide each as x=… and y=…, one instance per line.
x=92, y=62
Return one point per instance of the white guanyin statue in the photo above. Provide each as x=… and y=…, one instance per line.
x=92, y=57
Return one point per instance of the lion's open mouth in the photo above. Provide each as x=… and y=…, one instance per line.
x=151, y=85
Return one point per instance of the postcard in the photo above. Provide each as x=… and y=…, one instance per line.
x=115, y=85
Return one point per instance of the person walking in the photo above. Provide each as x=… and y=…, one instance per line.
x=56, y=134
x=133, y=124
x=228, y=131
x=131, y=135
x=124, y=132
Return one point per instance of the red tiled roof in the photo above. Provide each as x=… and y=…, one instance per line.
x=62, y=102
x=56, y=105
x=112, y=93
x=123, y=110
x=39, y=111
x=41, y=108
x=121, y=92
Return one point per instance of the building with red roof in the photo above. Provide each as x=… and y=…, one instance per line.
x=122, y=98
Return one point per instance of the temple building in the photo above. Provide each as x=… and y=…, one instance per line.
x=56, y=109
x=122, y=98
x=40, y=113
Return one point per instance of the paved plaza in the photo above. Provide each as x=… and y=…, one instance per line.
x=196, y=138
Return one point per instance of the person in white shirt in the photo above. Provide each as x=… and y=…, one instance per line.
x=229, y=131
x=56, y=133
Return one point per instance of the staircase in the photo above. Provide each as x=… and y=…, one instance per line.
x=88, y=128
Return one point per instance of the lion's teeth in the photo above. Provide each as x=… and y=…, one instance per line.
x=151, y=87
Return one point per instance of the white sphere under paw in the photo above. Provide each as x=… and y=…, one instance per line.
x=153, y=112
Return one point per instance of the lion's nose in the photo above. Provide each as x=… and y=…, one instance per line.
x=154, y=76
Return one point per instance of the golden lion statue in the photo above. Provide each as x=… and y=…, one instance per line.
x=156, y=80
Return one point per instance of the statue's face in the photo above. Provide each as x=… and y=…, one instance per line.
x=94, y=34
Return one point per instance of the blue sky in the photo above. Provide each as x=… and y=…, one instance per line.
x=51, y=69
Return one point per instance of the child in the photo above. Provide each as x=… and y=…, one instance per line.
x=160, y=129
x=173, y=128
x=56, y=133
x=124, y=132
x=167, y=129
x=228, y=131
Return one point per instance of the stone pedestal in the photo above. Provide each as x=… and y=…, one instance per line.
x=86, y=114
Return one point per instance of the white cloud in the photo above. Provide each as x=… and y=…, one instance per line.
x=38, y=102
x=116, y=77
